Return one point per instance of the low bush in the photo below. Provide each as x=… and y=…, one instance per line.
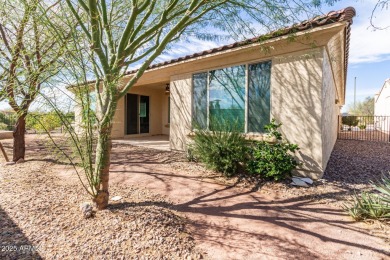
x=42, y=122
x=272, y=160
x=350, y=121
x=222, y=150
x=226, y=150
x=372, y=205
x=7, y=121
x=3, y=126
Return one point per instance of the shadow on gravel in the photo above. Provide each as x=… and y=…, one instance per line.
x=13, y=243
x=291, y=214
x=141, y=155
x=126, y=205
x=51, y=160
x=240, y=221
x=358, y=162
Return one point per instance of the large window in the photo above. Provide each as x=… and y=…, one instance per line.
x=236, y=97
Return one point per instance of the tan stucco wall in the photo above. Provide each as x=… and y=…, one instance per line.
x=330, y=110
x=118, y=126
x=156, y=106
x=336, y=52
x=296, y=102
x=181, y=111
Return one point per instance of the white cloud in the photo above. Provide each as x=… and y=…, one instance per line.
x=368, y=44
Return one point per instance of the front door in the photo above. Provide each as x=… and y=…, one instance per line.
x=137, y=114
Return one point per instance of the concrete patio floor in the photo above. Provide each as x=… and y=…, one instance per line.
x=158, y=142
x=230, y=222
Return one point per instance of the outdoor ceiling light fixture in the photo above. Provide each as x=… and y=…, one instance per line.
x=167, y=89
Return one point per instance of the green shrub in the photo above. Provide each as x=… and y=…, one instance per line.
x=272, y=161
x=362, y=127
x=42, y=122
x=350, y=121
x=3, y=126
x=7, y=121
x=372, y=205
x=221, y=150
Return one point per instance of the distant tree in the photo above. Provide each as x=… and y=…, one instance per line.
x=30, y=48
x=363, y=108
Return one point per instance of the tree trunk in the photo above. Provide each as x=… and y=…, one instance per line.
x=19, y=148
x=103, y=153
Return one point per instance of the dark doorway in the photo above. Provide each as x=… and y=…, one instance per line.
x=137, y=114
x=144, y=114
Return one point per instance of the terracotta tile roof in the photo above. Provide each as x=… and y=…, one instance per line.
x=344, y=15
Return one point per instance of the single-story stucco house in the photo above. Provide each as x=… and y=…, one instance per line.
x=382, y=100
x=382, y=108
x=296, y=75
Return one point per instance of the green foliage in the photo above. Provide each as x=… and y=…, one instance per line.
x=272, y=129
x=383, y=187
x=363, y=108
x=272, y=161
x=362, y=127
x=350, y=120
x=42, y=122
x=372, y=205
x=226, y=150
x=222, y=150
x=7, y=121
x=3, y=126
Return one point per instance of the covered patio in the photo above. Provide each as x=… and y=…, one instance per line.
x=158, y=142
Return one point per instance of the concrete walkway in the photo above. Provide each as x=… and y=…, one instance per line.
x=5, y=134
x=159, y=142
x=233, y=223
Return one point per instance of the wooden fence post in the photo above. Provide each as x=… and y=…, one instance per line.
x=4, y=153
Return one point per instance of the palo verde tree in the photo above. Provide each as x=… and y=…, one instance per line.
x=30, y=49
x=120, y=34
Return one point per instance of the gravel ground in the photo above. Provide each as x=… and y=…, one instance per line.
x=39, y=205
x=41, y=219
x=353, y=164
x=241, y=218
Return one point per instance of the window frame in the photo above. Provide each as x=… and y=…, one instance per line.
x=247, y=64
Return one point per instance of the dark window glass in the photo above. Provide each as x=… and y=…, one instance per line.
x=227, y=98
x=200, y=100
x=259, y=96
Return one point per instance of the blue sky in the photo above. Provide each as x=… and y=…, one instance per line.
x=369, y=58
x=369, y=54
